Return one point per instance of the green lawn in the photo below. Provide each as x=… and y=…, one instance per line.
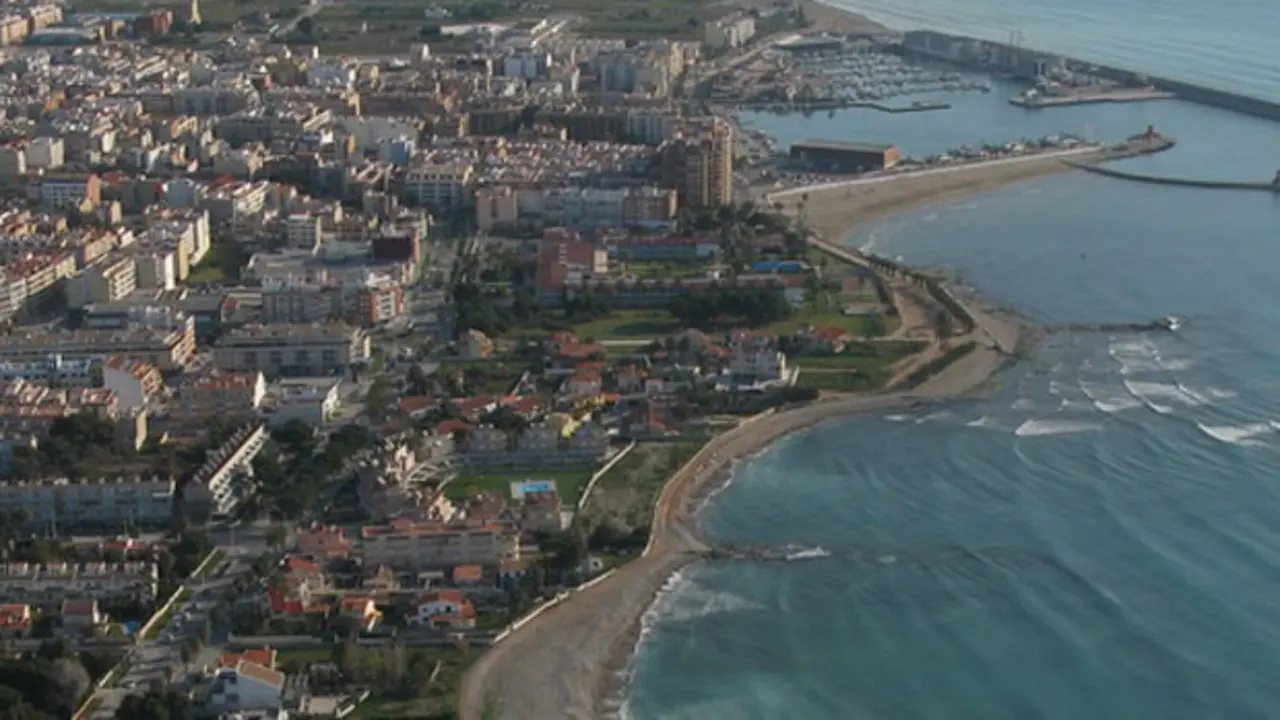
x=221, y=264
x=629, y=325
x=871, y=325
x=569, y=483
x=866, y=370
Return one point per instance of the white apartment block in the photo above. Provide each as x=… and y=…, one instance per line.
x=61, y=504
x=730, y=32
x=51, y=584
x=53, y=371
x=436, y=546
x=322, y=349
x=304, y=230
x=221, y=483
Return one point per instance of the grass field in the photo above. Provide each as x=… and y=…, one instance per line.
x=871, y=325
x=221, y=264
x=569, y=483
x=629, y=325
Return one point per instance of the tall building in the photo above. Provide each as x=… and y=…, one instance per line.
x=698, y=165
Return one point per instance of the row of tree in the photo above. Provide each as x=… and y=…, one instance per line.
x=719, y=308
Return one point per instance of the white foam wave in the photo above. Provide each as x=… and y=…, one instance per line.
x=812, y=553
x=1035, y=428
x=983, y=421
x=1116, y=405
x=1054, y=388
x=1107, y=400
x=1023, y=404
x=1068, y=404
x=897, y=418
x=1244, y=435
x=1220, y=393
x=1147, y=391
x=933, y=416
x=1177, y=365
x=686, y=600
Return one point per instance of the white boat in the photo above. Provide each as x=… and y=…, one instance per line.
x=1172, y=323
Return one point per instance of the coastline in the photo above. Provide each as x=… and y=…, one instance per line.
x=532, y=677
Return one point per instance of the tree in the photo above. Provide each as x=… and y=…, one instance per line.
x=307, y=26
x=166, y=704
x=276, y=535
x=417, y=380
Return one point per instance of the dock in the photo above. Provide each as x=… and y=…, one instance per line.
x=1090, y=97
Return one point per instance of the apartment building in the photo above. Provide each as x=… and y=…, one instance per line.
x=440, y=188
x=52, y=584
x=53, y=371
x=68, y=192
x=276, y=350
x=431, y=546
x=731, y=31
x=220, y=483
x=110, y=280
x=222, y=395
x=63, y=505
x=134, y=382
x=698, y=165
x=167, y=348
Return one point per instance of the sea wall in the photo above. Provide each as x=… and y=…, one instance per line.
x=1183, y=182
x=1021, y=62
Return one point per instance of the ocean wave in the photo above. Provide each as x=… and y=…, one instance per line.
x=933, y=416
x=897, y=418
x=1023, y=404
x=1108, y=400
x=1035, y=428
x=1243, y=435
x=1148, y=391
x=812, y=553
x=682, y=599
x=983, y=421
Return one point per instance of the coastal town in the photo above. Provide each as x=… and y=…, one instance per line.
x=342, y=343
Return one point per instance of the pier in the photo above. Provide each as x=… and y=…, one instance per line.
x=1272, y=187
x=1168, y=324
x=1090, y=97
x=840, y=103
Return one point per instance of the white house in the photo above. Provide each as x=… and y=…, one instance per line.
x=444, y=609
x=762, y=363
x=246, y=686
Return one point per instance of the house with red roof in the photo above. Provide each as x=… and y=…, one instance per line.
x=15, y=620
x=361, y=609
x=826, y=340
x=445, y=610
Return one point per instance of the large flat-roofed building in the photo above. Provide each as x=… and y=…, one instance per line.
x=53, y=583
x=276, y=350
x=835, y=156
x=408, y=546
x=104, y=503
x=167, y=348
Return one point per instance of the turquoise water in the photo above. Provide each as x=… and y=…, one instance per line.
x=1097, y=538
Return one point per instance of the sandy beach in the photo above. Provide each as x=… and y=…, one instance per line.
x=563, y=663
x=833, y=212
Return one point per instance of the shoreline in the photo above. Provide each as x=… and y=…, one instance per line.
x=580, y=673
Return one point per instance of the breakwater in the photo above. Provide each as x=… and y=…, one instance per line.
x=1270, y=187
x=837, y=103
x=1025, y=63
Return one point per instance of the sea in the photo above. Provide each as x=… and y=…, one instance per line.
x=1099, y=535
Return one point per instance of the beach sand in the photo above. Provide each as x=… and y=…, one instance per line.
x=563, y=663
